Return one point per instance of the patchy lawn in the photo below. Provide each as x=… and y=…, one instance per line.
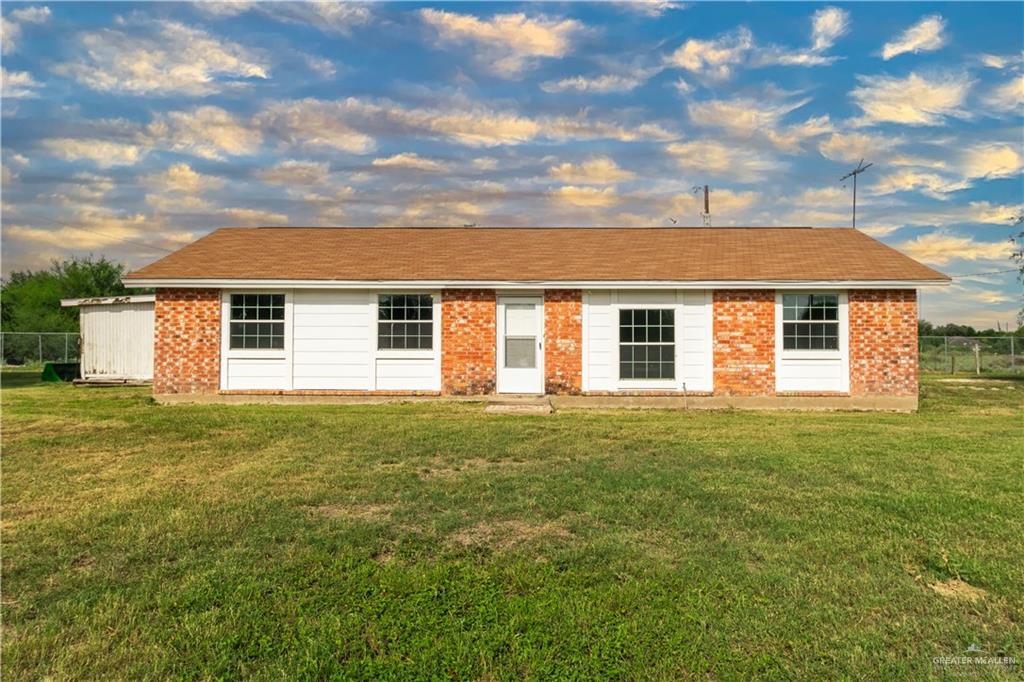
x=432, y=540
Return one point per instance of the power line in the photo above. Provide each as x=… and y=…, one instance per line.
x=120, y=239
x=979, y=274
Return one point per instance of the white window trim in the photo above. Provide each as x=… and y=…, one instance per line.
x=843, y=354
x=228, y=353
x=649, y=384
x=406, y=353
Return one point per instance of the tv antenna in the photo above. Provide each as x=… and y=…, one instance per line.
x=853, y=174
x=705, y=216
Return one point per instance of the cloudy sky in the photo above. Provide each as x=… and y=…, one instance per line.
x=131, y=129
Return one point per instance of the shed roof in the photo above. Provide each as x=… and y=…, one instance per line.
x=106, y=300
x=566, y=254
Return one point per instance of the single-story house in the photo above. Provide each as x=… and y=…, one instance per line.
x=750, y=316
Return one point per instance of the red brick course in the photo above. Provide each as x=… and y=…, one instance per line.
x=468, y=333
x=744, y=341
x=563, y=341
x=883, y=342
x=186, y=341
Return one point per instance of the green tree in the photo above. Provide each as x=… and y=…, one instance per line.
x=30, y=301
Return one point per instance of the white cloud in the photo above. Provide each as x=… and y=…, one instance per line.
x=162, y=58
x=925, y=36
x=998, y=61
x=914, y=100
x=994, y=214
x=95, y=227
x=209, y=132
x=907, y=180
x=18, y=84
x=507, y=44
x=941, y=247
x=842, y=146
x=350, y=124
x=754, y=119
x=599, y=84
x=410, y=161
x=103, y=153
x=10, y=25
x=941, y=177
x=996, y=160
x=715, y=58
x=315, y=124
x=650, y=8
x=293, y=173
x=338, y=18
x=827, y=25
x=739, y=163
x=586, y=197
x=249, y=217
x=181, y=178
x=485, y=163
x=598, y=170
x=1009, y=96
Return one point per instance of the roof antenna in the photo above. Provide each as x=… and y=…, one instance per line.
x=854, y=173
x=673, y=221
x=469, y=224
x=706, y=215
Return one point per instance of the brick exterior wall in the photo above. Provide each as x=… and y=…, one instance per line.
x=468, y=333
x=744, y=341
x=883, y=342
x=186, y=341
x=563, y=341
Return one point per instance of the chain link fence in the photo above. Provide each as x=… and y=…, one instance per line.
x=985, y=354
x=35, y=348
x=979, y=354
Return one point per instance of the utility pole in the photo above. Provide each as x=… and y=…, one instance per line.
x=854, y=173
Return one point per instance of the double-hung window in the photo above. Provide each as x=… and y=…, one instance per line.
x=810, y=322
x=257, y=322
x=405, y=322
x=647, y=344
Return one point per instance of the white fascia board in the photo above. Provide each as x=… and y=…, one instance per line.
x=535, y=285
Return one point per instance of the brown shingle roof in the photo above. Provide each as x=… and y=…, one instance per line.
x=532, y=254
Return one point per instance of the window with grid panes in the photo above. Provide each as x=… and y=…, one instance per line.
x=647, y=344
x=810, y=322
x=405, y=322
x=257, y=322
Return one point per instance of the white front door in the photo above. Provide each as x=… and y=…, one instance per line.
x=520, y=344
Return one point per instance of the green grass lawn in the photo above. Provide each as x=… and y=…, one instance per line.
x=434, y=541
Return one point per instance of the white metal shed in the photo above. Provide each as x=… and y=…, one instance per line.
x=117, y=337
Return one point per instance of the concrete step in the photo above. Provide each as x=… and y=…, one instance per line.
x=519, y=405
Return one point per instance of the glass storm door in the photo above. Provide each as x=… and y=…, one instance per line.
x=520, y=344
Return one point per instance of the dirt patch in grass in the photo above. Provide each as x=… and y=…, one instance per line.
x=954, y=588
x=503, y=535
x=364, y=512
x=445, y=469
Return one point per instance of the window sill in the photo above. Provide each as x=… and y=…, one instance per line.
x=646, y=384
x=417, y=354
x=812, y=355
x=257, y=354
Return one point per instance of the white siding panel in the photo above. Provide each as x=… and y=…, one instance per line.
x=331, y=340
x=811, y=374
x=602, y=345
x=257, y=373
x=400, y=374
x=117, y=341
x=694, y=356
x=693, y=337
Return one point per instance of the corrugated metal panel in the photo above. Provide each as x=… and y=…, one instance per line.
x=117, y=341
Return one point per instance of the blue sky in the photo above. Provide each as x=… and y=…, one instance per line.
x=131, y=129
